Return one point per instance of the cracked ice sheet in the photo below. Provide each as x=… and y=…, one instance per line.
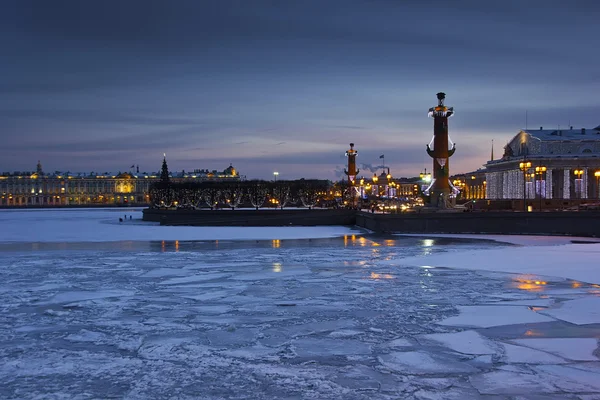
x=421, y=362
x=519, y=354
x=581, y=311
x=466, y=342
x=576, y=349
x=488, y=316
x=240, y=337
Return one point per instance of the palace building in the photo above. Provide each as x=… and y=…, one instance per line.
x=547, y=164
x=73, y=189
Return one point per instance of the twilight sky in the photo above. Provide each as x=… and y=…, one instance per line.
x=271, y=85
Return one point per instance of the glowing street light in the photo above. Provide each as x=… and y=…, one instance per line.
x=578, y=173
x=524, y=166
x=275, y=174
x=597, y=175
x=540, y=170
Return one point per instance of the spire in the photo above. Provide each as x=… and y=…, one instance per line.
x=492, y=157
x=39, y=168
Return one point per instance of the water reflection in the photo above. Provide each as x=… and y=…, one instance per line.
x=533, y=333
x=375, y=275
x=277, y=267
x=528, y=283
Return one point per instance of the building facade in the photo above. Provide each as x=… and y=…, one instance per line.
x=21, y=189
x=547, y=164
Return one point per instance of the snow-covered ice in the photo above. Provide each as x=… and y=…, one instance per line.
x=90, y=308
x=102, y=225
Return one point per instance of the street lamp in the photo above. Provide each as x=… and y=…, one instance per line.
x=597, y=175
x=275, y=174
x=578, y=173
x=541, y=170
x=389, y=181
x=375, y=187
x=524, y=166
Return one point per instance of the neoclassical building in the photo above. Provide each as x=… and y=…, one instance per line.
x=72, y=189
x=547, y=164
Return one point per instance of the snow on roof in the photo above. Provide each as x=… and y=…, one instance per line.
x=565, y=134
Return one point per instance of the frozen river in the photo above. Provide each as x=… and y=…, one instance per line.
x=346, y=317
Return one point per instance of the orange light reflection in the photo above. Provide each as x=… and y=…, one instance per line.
x=524, y=282
x=531, y=332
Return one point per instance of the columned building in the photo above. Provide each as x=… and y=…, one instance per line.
x=547, y=164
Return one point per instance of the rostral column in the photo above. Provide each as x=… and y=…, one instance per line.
x=351, y=171
x=440, y=187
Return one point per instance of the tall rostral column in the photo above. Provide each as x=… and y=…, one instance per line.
x=351, y=171
x=440, y=186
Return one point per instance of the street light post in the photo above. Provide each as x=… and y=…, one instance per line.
x=524, y=166
x=375, y=186
x=275, y=174
x=578, y=173
x=389, y=182
x=597, y=175
x=541, y=170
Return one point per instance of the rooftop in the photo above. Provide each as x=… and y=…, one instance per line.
x=565, y=134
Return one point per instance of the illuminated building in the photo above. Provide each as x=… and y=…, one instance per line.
x=471, y=185
x=440, y=188
x=547, y=164
x=73, y=189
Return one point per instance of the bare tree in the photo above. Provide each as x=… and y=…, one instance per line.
x=309, y=195
x=162, y=196
x=197, y=198
x=281, y=193
x=232, y=195
x=211, y=195
x=257, y=194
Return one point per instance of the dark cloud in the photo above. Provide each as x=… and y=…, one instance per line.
x=261, y=82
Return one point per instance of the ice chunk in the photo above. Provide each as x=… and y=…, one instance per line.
x=467, y=342
x=581, y=311
x=421, y=362
x=570, y=379
x=526, y=355
x=511, y=383
x=313, y=347
x=488, y=316
x=578, y=349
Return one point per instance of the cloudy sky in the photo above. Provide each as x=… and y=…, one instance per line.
x=271, y=85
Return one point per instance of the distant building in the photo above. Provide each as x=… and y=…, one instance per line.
x=93, y=188
x=547, y=164
x=470, y=185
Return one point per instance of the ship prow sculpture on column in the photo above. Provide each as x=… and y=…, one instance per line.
x=352, y=172
x=441, y=191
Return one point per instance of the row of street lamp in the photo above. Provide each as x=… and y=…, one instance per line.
x=540, y=171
